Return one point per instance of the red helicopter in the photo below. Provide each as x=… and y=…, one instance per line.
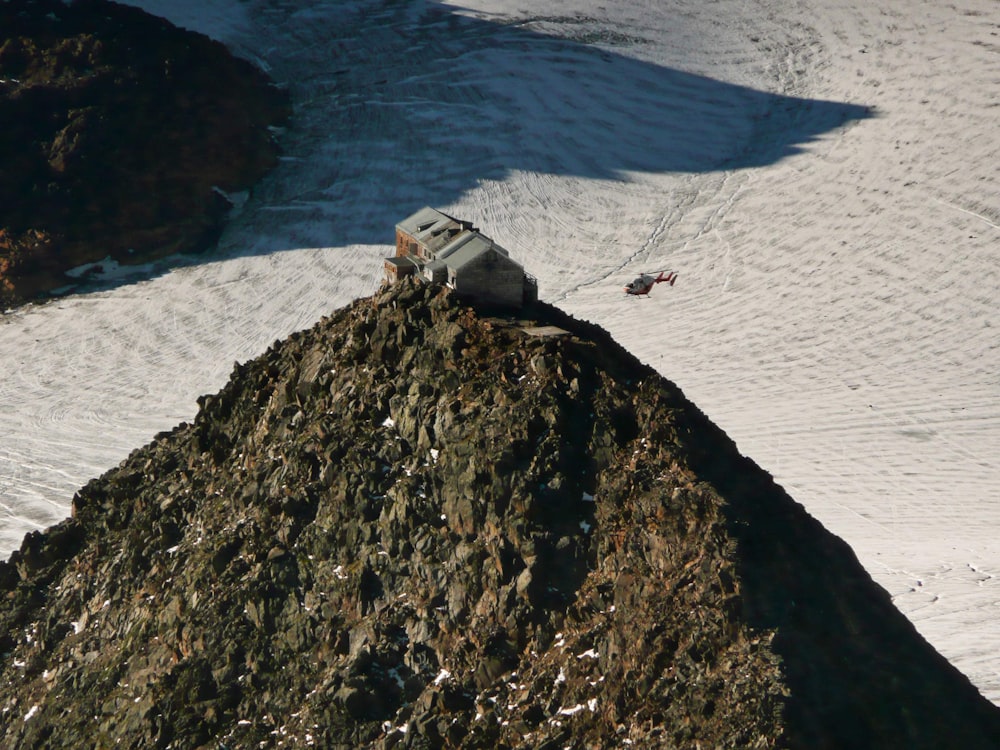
x=646, y=281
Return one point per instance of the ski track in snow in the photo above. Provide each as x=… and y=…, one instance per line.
x=835, y=311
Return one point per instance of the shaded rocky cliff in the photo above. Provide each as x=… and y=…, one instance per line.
x=117, y=133
x=415, y=526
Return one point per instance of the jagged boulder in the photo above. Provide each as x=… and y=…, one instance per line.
x=121, y=136
x=416, y=526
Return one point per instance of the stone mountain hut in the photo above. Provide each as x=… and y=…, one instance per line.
x=440, y=248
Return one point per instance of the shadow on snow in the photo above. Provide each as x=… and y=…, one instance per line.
x=414, y=104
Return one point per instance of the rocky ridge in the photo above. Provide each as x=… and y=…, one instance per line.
x=121, y=137
x=418, y=526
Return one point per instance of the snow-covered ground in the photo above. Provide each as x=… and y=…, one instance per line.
x=824, y=174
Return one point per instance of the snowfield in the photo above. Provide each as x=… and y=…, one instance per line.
x=824, y=174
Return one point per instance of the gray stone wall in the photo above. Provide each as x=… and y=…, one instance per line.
x=491, y=278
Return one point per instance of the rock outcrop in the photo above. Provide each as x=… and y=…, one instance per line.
x=416, y=526
x=121, y=136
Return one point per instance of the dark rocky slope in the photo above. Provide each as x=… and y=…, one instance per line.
x=412, y=526
x=116, y=129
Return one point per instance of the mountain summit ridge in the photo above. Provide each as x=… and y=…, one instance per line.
x=417, y=525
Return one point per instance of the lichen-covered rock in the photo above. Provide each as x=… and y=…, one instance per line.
x=120, y=136
x=413, y=526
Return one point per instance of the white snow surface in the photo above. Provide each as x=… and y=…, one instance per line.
x=824, y=175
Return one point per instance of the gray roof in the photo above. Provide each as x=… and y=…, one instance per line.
x=473, y=241
x=450, y=240
x=470, y=247
x=431, y=227
x=456, y=244
x=404, y=260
